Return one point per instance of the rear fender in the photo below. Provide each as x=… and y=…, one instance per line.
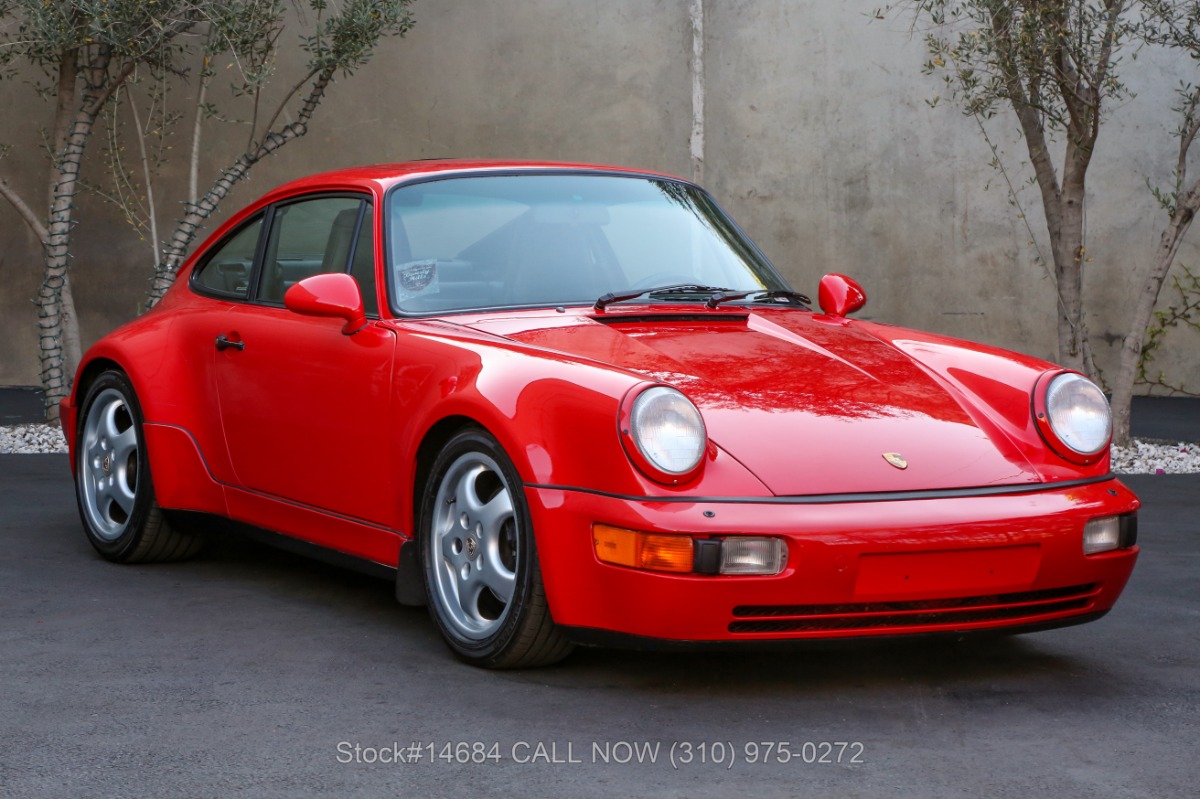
x=170, y=381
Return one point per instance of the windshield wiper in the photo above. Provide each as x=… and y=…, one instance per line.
x=677, y=288
x=757, y=295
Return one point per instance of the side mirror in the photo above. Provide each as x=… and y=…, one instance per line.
x=840, y=295
x=333, y=295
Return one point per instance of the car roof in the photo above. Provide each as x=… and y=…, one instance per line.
x=384, y=176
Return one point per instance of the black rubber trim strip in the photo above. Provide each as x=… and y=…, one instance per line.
x=593, y=636
x=833, y=499
x=203, y=521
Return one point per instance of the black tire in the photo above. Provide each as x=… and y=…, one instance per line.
x=473, y=539
x=113, y=486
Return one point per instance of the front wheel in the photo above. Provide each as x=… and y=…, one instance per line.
x=480, y=561
x=113, y=488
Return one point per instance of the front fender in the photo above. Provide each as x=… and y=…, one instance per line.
x=555, y=416
x=996, y=387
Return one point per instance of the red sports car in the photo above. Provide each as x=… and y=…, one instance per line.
x=562, y=404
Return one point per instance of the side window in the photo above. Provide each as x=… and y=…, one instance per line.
x=363, y=265
x=227, y=271
x=307, y=238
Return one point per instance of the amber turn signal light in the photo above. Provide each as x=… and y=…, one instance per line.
x=651, y=551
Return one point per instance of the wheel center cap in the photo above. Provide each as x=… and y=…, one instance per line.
x=107, y=465
x=472, y=547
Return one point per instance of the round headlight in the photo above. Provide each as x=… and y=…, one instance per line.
x=667, y=430
x=1078, y=413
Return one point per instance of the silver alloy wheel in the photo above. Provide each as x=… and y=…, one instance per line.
x=108, y=464
x=473, y=545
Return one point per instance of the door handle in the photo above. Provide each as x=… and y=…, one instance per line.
x=224, y=344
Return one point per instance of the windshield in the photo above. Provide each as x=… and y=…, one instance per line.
x=559, y=239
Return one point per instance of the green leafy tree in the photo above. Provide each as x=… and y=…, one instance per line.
x=1054, y=64
x=91, y=50
x=340, y=43
x=86, y=50
x=1174, y=25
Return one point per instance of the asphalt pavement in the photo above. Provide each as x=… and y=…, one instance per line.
x=21, y=405
x=252, y=672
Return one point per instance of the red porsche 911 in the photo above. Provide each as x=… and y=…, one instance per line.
x=563, y=404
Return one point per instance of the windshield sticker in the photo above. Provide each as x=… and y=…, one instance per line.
x=415, y=279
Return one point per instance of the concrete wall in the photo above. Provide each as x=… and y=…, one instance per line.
x=819, y=140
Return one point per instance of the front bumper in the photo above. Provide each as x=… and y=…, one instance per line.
x=66, y=418
x=855, y=568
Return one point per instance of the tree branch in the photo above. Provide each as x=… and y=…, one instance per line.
x=175, y=249
x=1187, y=135
x=1115, y=8
x=1031, y=127
x=68, y=76
x=104, y=92
x=194, y=159
x=287, y=98
x=1068, y=80
x=1104, y=62
x=151, y=211
x=254, y=116
x=31, y=219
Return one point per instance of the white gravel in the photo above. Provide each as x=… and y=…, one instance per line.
x=31, y=439
x=1142, y=457
x=1145, y=456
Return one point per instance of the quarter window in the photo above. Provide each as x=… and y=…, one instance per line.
x=227, y=271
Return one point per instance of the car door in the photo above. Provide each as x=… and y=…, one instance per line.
x=304, y=407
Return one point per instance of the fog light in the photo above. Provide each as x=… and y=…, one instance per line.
x=742, y=555
x=663, y=553
x=1101, y=535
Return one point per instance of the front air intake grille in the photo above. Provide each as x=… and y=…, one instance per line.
x=664, y=318
x=948, y=613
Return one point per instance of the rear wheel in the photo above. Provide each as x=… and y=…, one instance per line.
x=480, y=561
x=113, y=487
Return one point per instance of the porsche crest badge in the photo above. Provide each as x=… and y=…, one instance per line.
x=896, y=459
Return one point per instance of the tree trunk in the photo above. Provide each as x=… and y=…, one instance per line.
x=58, y=330
x=72, y=341
x=1151, y=286
x=59, y=346
x=1063, y=209
x=52, y=315
x=1068, y=273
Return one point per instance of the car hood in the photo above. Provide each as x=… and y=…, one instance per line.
x=809, y=404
